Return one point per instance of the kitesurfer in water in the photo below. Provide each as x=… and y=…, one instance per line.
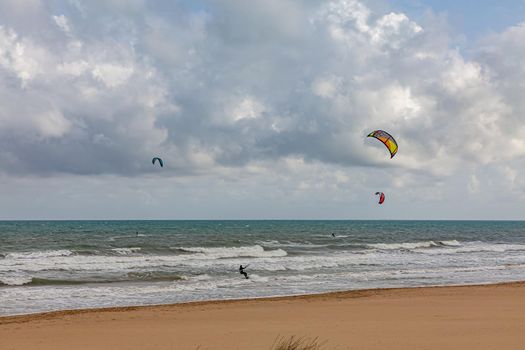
x=242, y=272
x=333, y=235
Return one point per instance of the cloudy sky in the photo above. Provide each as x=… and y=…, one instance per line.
x=260, y=109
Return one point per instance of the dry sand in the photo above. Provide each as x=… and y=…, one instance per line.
x=469, y=317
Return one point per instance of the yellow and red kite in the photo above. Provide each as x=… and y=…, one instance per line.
x=387, y=140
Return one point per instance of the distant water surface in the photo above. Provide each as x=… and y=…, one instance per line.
x=55, y=265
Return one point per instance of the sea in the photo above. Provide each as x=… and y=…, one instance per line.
x=58, y=265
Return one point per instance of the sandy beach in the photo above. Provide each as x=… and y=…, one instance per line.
x=465, y=317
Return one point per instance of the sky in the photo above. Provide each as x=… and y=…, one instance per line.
x=260, y=109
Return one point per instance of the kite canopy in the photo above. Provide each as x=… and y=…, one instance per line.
x=159, y=160
x=381, y=197
x=387, y=140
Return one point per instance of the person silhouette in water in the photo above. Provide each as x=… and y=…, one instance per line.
x=242, y=272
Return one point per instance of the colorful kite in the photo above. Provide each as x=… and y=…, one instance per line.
x=387, y=140
x=381, y=197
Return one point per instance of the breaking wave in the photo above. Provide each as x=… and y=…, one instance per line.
x=39, y=254
x=414, y=245
x=255, y=251
x=125, y=251
x=153, y=276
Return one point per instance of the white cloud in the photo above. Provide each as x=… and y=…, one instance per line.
x=19, y=56
x=62, y=22
x=75, y=68
x=111, y=74
x=52, y=124
x=237, y=89
x=326, y=88
x=460, y=76
x=393, y=29
x=249, y=108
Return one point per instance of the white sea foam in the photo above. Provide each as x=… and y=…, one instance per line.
x=396, y=246
x=329, y=235
x=304, y=245
x=452, y=243
x=270, y=243
x=291, y=244
x=450, y=247
x=257, y=278
x=414, y=245
x=15, y=280
x=232, y=252
x=480, y=247
x=226, y=287
x=222, y=259
x=38, y=254
x=212, y=272
x=396, y=269
x=125, y=251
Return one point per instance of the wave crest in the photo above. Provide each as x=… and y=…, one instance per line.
x=126, y=251
x=39, y=254
x=414, y=245
x=255, y=251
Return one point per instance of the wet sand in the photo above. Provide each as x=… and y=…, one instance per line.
x=466, y=317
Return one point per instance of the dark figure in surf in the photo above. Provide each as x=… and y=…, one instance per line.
x=242, y=272
x=333, y=234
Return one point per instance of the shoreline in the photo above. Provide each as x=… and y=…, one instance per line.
x=356, y=293
x=487, y=316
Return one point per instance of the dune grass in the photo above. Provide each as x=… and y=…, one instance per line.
x=295, y=343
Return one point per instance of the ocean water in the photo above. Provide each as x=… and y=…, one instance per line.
x=56, y=265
